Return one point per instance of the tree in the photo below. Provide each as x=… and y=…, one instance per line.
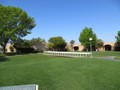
x=34, y=41
x=118, y=38
x=99, y=43
x=22, y=43
x=22, y=46
x=84, y=38
x=57, y=43
x=50, y=46
x=14, y=24
x=117, y=44
x=72, y=42
x=38, y=44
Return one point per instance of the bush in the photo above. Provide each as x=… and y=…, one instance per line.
x=25, y=50
x=117, y=48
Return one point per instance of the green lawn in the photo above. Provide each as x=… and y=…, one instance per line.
x=107, y=53
x=60, y=73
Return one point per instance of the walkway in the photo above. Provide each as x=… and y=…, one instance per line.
x=109, y=58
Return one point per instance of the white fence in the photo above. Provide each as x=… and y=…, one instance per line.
x=68, y=54
x=20, y=87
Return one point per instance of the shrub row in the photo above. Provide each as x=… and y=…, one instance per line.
x=25, y=50
x=117, y=48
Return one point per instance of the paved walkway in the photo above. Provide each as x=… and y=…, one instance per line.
x=109, y=58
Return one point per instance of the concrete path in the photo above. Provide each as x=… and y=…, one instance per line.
x=109, y=58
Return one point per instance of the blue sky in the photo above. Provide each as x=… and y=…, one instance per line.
x=67, y=18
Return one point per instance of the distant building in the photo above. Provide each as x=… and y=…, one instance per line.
x=75, y=47
x=107, y=46
x=9, y=48
x=37, y=47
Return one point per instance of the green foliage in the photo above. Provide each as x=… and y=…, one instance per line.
x=85, y=35
x=50, y=46
x=118, y=38
x=14, y=24
x=23, y=46
x=57, y=43
x=22, y=43
x=25, y=50
x=99, y=43
x=72, y=42
x=117, y=44
x=37, y=40
x=28, y=43
x=37, y=43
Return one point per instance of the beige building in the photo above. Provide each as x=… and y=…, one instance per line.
x=10, y=48
x=75, y=47
x=107, y=46
x=78, y=47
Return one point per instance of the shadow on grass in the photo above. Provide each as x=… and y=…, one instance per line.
x=11, y=54
x=3, y=59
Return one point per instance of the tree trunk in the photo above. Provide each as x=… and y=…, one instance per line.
x=4, y=48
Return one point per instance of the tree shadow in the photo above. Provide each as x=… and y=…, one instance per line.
x=3, y=59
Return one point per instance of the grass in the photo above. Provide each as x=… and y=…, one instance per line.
x=60, y=73
x=117, y=57
x=107, y=53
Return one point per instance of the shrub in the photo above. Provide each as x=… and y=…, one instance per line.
x=25, y=50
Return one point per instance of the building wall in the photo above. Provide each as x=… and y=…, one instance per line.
x=112, y=44
x=81, y=47
x=71, y=47
x=8, y=48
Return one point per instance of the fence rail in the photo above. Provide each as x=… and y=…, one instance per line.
x=20, y=87
x=68, y=54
